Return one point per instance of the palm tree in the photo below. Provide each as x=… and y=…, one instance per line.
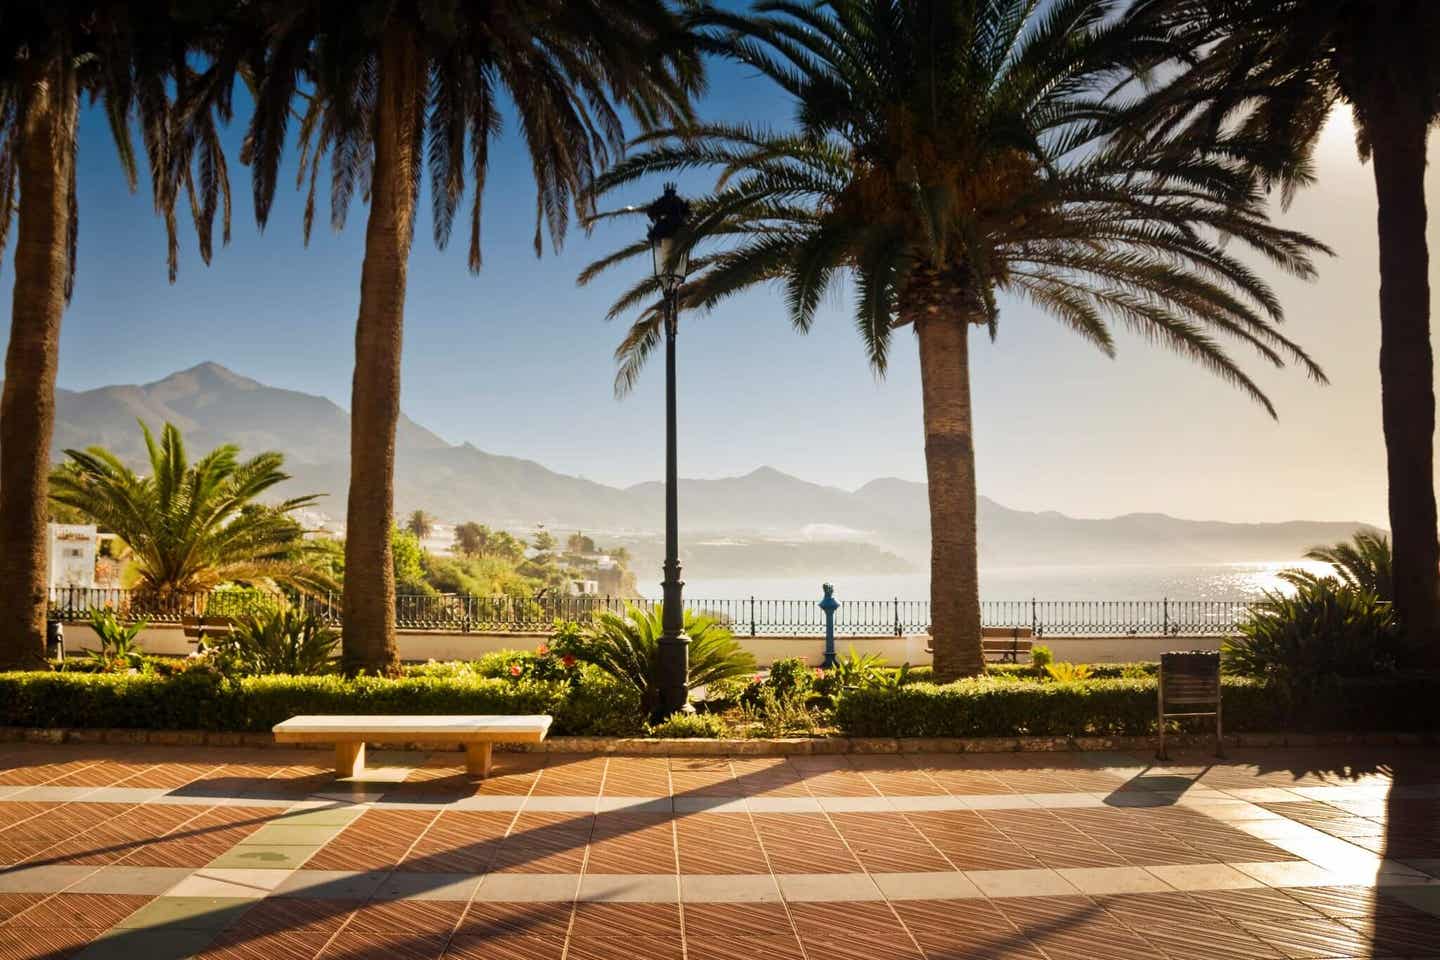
x=1274, y=70
x=191, y=526
x=126, y=57
x=948, y=153
x=420, y=523
x=393, y=87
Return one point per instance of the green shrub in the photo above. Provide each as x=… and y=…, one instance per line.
x=705, y=726
x=628, y=649
x=280, y=641
x=1302, y=643
x=203, y=700
x=1041, y=656
x=771, y=713
x=989, y=707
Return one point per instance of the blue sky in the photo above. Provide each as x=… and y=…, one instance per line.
x=518, y=359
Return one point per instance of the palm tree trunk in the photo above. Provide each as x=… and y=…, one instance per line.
x=27, y=406
x=1407, y=392
x=937, y=306
x=369, y=634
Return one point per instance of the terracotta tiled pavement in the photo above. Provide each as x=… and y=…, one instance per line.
x=236, y=854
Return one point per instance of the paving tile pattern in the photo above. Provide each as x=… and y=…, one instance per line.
x=235, y=854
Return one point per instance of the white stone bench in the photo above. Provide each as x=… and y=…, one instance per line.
x=350, y=734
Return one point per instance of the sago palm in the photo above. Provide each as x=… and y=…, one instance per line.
x=388, y=89
x=1273, y=71
x=186, y=524
x=1363, y=564
x=128, y=58
x=945, y=154
x=628, y=648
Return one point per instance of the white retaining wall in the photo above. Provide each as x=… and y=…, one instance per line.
x=447, y=645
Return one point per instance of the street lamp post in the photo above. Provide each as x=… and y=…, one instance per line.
x=671, y=253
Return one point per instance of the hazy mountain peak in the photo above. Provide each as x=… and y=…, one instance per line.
x=215, y=405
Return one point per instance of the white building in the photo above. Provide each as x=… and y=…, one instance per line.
x=72, y=549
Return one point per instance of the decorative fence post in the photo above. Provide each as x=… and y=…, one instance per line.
x=1165, y=606
x=899, y=627
x=1034, y=620
x=752, y=615
x=829, y=604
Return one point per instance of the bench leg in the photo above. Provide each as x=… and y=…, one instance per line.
x=349, y=759
x=477, y=760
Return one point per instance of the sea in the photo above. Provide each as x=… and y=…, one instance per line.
x=1246, y=580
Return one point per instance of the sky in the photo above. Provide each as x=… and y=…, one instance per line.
x=517, y=360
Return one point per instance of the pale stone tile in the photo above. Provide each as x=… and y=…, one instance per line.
x=710, y=805
x=331, y=884
x=633, y=805
x=1021, y=883
x=124, y=794
x=187, y=913
x=561, y=804
x=854, y=805
x=51, y=878
x=828, y=886
x=149, y=944
x=52, y=794
x=729, y=888
x=119, y=878
x=290, y=833
x=1204, y=876
x=232, y=883
x=428, y=886
x=1292, y=873
x=1102, y=880
x=1003, y=801
x=1264, y=795
x=927, y=804
x=926, y=886
x=495, y=804
x=1066, y=800
x=623, y=888
x=529, y=886
x=784, y=805
x=265, y=856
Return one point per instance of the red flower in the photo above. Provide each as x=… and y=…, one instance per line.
x=757, y=679
x=514, y=669
x=568, y=660
x=542, y=651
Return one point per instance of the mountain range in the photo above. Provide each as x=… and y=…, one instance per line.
x=213, y=405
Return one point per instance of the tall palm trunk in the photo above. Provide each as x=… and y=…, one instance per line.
x=940, y=308
x=27, y=407
x=1407, y=393
x=369, y=632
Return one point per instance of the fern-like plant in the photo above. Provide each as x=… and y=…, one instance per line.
x=282, y=641
x=628, y=648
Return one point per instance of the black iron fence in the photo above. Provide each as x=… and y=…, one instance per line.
x=752, y=616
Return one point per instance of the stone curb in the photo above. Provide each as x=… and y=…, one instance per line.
x=788, y=746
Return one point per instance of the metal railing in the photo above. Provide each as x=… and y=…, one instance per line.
x=746, y=616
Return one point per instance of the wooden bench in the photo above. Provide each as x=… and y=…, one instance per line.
x=198, y=628
x=350, y=734
x=1008, y=644
x=1004, y=643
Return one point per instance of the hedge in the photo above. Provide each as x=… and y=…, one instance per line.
x=1126, y=707
x=203, y=701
